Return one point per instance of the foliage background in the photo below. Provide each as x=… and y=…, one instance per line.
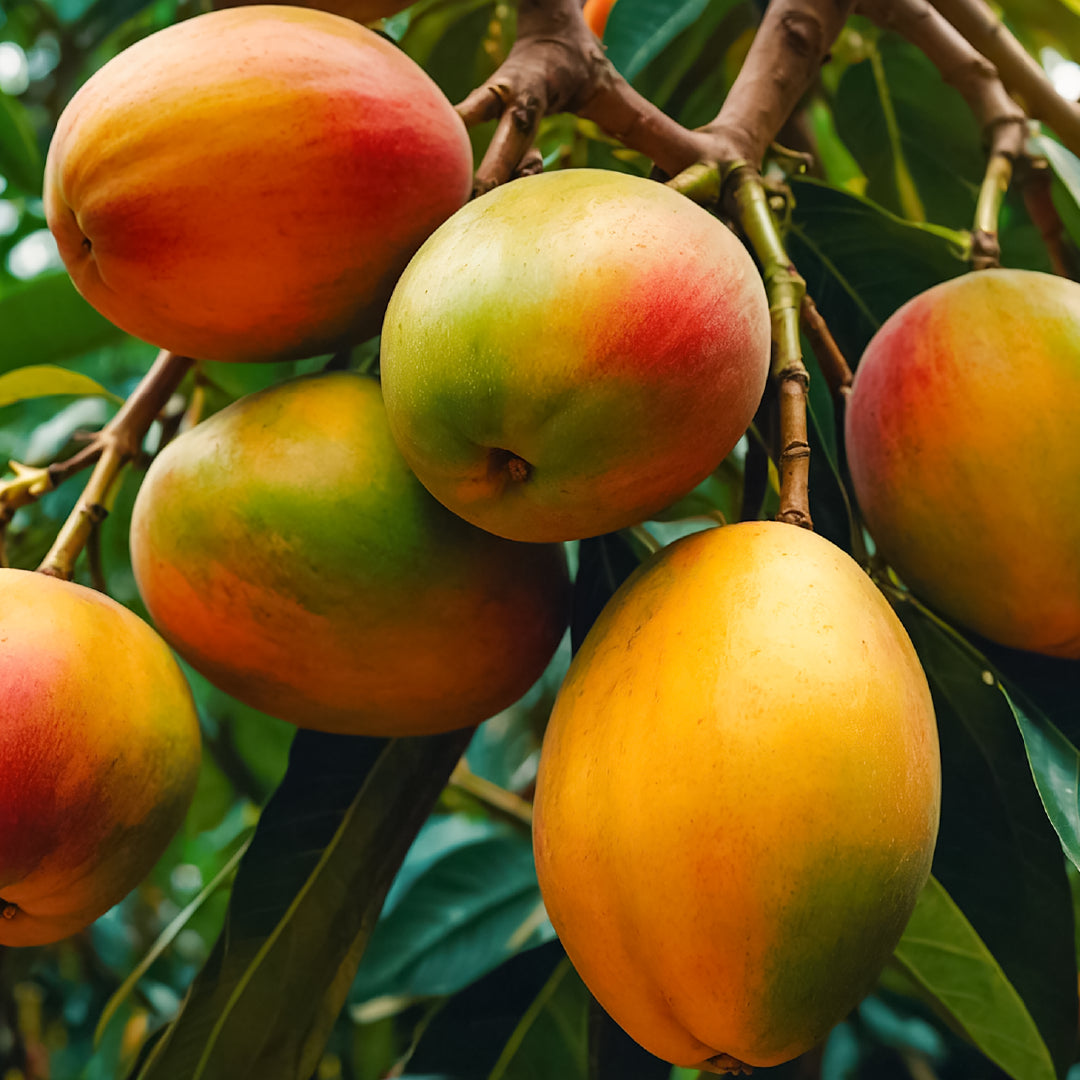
x=463, y=977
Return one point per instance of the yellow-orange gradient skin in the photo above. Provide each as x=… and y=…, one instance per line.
x=100, y=745
x=287, y=552
x=738, y=795
x=599, y=327
x=249, y=183
x=962, y=442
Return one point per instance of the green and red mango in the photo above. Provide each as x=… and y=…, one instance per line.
x=286, y=551
x=248, y=184
x=100, y=745
x=572, y=352
x=961, y=437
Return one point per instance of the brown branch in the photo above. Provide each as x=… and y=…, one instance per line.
x=1003, y=123
x=834, y=367
x=557, y=64
x=1020, y=73
x=112, y=448
x=1036, y=183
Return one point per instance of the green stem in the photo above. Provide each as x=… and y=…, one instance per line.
x=985, y=250
x=785, y=289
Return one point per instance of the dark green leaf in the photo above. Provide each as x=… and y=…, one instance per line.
x=46, y=321
x=862, y=262
x=305, y=901
x=638, y=30
x=45, y=380
x=466, y=899
x=997, y=854
x=941, y=951
x=604, y=563
x=552, y=1038
x=20, y=159
x=464, y=1038
x=1055, y=764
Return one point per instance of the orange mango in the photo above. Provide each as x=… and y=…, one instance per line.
x=738, y=796
x=248, y=184
x=287, y=552
x=100, y=744
x=961, y=437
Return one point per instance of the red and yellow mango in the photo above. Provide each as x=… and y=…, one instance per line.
x=747, y=723
x=286, y=551
x=961, y=437
x=100, y=744
x=249, y=183
x=572, y=352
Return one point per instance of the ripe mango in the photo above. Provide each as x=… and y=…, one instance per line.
x=961, y=438
x=248, y=184
x=100, y=744
x=572, y=352
x=286, y=551
x=738, y=796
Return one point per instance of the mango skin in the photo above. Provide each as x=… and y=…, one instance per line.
x=100, y=743
x=361, y=11
x=248, y=184
x=961, y=438
x=286, y=551
x=600, y=327
x=738, y=796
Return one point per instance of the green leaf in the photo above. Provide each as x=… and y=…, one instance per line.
x=165, y=939
x=466, y=1033
x=911, y=133
x=638, y=30
x=997, y=853
x=466, y=899
x=942, y=952
x=46, y=321
x=306, y=899
x=20, y=159
x=862, y=262
x=45, y=380
x=1055, y=764
x=552, y=1038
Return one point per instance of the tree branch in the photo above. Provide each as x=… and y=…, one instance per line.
x=1036, y=184
x=1020, y=73
x=1003, y=123
x=112, y=448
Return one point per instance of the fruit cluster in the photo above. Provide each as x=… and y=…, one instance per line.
x=747, y=721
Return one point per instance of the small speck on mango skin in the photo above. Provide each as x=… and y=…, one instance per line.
x=961, y=437
x=738, y=795
x=286, y=551
x=100, y=746
x=248, y=184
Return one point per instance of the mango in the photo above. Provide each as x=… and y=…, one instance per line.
x=361, y=11
x=286, y=551
x=248, y=184
x=738, y=796
x=100, y=744
x=961, y=438
x=572, y=352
